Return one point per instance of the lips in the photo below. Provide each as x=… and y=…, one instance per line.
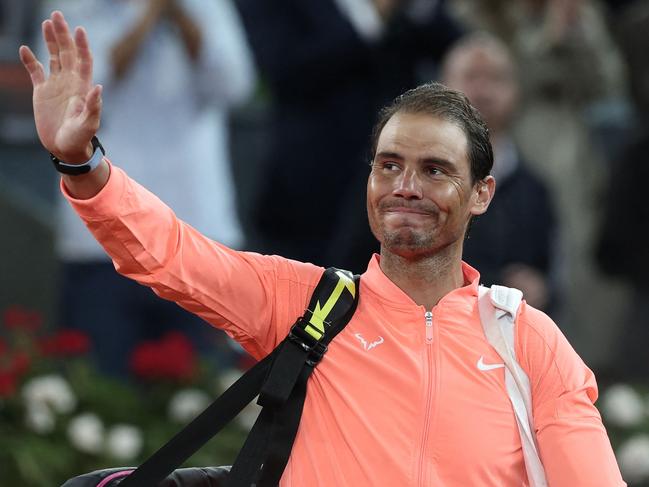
x=401, y=208
x=407, y=210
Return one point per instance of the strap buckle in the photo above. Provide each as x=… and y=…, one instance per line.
x=308, y=343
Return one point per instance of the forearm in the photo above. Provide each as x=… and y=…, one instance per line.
x=125, y=51
x=578, y=452
x=85, y=186
x=190, y=31
x=235, y=291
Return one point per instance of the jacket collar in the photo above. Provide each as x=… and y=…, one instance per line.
x=375, y=281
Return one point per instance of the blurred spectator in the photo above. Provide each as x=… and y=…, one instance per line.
x=513, y=243
x=623, y=248
x=630, y=21
x=572, y=81
x=330, y=64
x=16, y=20
x=171, y=69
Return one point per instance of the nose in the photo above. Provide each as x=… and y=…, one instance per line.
x=408, y=185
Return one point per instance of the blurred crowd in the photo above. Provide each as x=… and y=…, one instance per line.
x=252, y=120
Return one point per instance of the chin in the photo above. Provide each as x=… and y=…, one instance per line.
x=407, y=242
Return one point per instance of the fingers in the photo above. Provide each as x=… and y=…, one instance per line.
x=52, y=46
x=65, y=52
x=34, y=68
x=85, y=56
x=66, y=47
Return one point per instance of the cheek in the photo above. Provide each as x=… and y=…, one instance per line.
x=448, y=197
x=374, y=192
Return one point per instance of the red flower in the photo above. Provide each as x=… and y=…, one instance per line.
x=64, y=343
x=171, y=357
x=12, y=368
x=19, y=317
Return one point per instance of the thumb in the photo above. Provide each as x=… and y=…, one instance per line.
x=92, y=109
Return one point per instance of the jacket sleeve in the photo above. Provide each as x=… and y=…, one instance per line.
x=253, y=298
x=573, y=443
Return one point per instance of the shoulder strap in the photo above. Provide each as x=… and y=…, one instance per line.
x=264, y=456
x=280, y=380
x=498, y=309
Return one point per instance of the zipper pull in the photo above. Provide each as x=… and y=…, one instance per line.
x=429, y=326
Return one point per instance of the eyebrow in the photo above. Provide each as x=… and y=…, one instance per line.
x=426, y=160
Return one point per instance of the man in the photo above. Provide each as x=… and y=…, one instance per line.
x=513, y=244
x=412, y=410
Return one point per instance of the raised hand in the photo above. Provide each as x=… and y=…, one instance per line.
x=67, y=106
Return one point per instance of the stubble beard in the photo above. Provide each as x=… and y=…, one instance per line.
x=408, y=240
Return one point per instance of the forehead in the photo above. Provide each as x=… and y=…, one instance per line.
x=421, y=136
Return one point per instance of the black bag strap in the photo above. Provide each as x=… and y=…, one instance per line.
x=280, y=380
x=269, y=443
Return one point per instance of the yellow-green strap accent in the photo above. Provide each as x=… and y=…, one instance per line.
x=319, y=315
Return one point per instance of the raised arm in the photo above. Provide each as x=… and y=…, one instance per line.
x=254, y=298
x=67, y=105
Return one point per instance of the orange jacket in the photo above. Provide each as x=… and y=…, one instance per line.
x=398, y=400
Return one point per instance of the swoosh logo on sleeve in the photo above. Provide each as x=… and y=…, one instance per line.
x=483, y=366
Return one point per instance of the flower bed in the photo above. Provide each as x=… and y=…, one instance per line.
x=59, y=417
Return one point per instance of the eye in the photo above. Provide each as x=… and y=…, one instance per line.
x=433, y=171
x=386, y=167
x=390, y=166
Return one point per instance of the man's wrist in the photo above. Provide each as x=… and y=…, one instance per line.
x=78, y=158
x=90, y=162
x=87, y=185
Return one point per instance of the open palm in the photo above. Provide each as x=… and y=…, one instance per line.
x=67, y=106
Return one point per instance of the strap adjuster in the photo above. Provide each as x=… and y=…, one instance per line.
x=308, y=343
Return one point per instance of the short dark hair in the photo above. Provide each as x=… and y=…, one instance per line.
x=437, y=100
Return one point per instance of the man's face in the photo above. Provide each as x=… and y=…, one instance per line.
x=419, y=192
x=484, y=73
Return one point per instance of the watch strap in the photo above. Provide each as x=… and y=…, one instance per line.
x=86, y=167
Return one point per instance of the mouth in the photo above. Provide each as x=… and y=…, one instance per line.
x=407, y=210
x=413, y=211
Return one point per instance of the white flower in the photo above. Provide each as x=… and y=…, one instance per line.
x=186, y=404
x=633, y=456
x=39, y=418
x=51, y=390
x=124, y=442
x=622, y=406
x=86, y=433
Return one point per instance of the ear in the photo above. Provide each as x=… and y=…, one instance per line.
x=483, y=192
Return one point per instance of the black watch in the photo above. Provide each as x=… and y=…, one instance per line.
x=77, y=169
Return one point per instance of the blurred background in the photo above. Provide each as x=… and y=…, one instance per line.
x=252, y=118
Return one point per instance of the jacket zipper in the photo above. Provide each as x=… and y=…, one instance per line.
x=428, y=315
x=428, y=320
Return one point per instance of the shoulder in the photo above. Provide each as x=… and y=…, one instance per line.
x=545, y=353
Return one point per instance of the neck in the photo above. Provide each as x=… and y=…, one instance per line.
x=425, y=279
